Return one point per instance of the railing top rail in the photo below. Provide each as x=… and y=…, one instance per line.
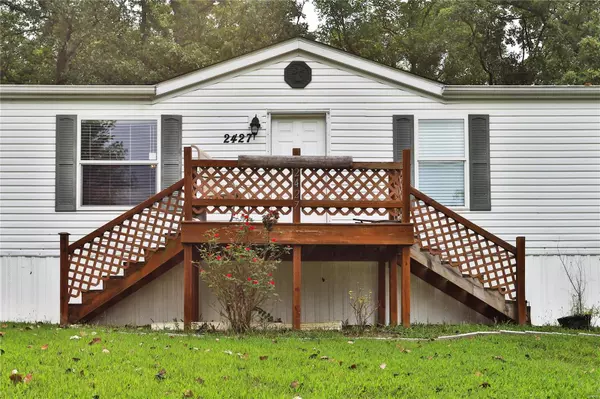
x=117, y=221
x=352, y=165
x=467, y=223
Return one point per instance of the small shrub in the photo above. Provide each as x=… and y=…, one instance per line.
x=240, y=271
x=362, y=305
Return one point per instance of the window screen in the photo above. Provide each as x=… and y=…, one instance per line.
x=441, y=160
x=118, y=161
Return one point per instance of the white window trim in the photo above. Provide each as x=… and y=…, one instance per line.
x=436, y=115
x=80, y=162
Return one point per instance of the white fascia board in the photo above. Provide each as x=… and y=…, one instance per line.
x=225, y=67
x=57, y=91
x=504, y=92
x=395, y=75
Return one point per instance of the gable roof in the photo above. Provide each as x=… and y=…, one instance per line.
x=302, y=46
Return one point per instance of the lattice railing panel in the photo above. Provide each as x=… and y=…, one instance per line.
x=346, y=211
x=256, y=183
x=130, y=241
x=360, y=184
x=462, y=247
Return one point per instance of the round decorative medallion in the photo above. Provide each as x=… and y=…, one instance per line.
x=297, y=74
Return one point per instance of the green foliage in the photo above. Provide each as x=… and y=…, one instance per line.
x=142, y=364
x=472, y=42
x=134, y=41
x=147, y=41
x=240, y=272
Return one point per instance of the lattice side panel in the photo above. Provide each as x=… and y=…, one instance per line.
x=242, y=183
x=465, y=249
x=346, y=184
x=129, y=242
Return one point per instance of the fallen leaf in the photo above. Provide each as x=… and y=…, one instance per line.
x=161, y=374
x=499, y=358
x=199, y=380
x=1, y=334
x=76, y=359
x=105, y=350
x=294, y=384
x=225, y=377
x=352, y=366
x=263, y=357
x=478, y=373
x=75, y=337
x=244, y=356
x=29, y=346
x=228, y=352
x=485, y=385
x=324, y=358
x=382, y=366
x=2, y=352
x=313, y=356
x=350, y=342
x=44, y=347
x=27, y=378
x=15, y=377
x=217, y=339
x=537, y=338
x=95, y=341
x=188, y=393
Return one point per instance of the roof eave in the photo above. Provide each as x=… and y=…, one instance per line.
x=50, y=92
x=462, y=93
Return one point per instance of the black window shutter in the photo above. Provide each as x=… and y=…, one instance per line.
x=479, y=162
x=66, y=163
x=170, y=150
x=404, y=138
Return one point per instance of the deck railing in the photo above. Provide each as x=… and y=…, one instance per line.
x=300, y=186
x=474, y=251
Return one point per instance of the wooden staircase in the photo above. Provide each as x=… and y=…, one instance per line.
x=449, y=252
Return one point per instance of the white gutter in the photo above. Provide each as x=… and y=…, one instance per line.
x=76, y=91
x=521, y=92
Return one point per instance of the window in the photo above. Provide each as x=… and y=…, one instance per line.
x=118, y=161
x=441, y=160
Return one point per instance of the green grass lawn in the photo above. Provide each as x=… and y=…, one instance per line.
x=138, y=363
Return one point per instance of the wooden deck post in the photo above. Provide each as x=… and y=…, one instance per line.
x=394, y=289
x=64, y=278
x=521, y=300
x=381, y=308
x=297, y=282
x=190, y=277
x=405, y=257
x=405, y=286
x=297, y=250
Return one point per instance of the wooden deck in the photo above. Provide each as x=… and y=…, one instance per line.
x=134, y=247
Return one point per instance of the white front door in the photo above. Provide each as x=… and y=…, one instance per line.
x=304, y=132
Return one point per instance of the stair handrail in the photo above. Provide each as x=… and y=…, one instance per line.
x=462, y=220
x=121, y=218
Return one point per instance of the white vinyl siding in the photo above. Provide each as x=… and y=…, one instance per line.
x=544, y=155
x=441, y=160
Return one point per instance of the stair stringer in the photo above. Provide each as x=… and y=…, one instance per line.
x=467, y=290
x=136, y=276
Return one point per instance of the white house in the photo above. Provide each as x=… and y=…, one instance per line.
x=540, y=178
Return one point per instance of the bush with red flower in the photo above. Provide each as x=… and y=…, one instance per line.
x=239, y=270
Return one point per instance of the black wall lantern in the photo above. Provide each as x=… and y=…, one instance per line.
x=255, y=126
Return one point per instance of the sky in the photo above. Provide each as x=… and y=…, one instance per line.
x=311, y=17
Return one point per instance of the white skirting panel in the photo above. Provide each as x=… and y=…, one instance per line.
x=29, y=291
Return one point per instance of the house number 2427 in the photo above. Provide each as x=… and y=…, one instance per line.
x=239, y=138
